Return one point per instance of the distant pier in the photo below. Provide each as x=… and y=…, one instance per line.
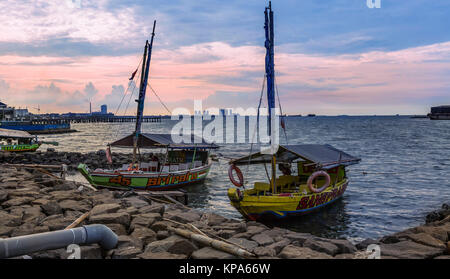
x=111, y=119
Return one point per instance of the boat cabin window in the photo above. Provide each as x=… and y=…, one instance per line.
x=187, y=156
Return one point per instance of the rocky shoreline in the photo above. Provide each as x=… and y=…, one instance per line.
x=34, y=202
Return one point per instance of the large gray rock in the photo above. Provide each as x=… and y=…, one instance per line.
x=160, y=226
x=118, y=229
x=212, y=219
x=409, y=250
x=3, y=196
x=10, y=219
x=211, y=253
x=173, y=244
x=17, y=201
x=437, y=232
x=186, y=217
x=128, y=241
x=91, y=252
x=144, y=220
x=298, y=238
x=122, y=218
x=264, y=252
x=235, y=227
x=5, y=231
x=126, y=253
x=262, y=239
x=74, y=205
x=295, y=252
x=321, y=246
x=105, y=209
x=56, y=222
x=33, y=215
x=51, y=208
x=345, y=246
x=135, y=202
x=161, y=255
x=426, y=239
x=66, y=195
x=245, y=243
x=156, y=208
x=146, y=235
x=278, y=246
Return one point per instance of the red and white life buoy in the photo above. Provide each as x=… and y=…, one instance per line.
x=239, y=183
x=314, y=176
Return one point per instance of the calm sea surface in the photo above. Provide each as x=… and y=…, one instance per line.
x=406, y=161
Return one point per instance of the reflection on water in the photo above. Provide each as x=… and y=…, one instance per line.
x=402, y=176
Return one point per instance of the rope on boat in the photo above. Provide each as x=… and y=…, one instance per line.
x=162, y=103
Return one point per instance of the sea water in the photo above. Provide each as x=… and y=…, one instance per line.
x=403, y=173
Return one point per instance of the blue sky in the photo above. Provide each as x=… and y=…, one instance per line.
x=332, y=35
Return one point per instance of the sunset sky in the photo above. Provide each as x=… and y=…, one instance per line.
x=332, y=56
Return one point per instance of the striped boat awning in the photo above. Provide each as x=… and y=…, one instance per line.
x=317, y=154
x=163, y=141
x=14, y=134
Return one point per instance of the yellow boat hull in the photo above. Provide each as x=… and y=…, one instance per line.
x=256, y=207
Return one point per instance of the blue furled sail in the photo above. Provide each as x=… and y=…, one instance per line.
x=142, y=89
x=270, y=68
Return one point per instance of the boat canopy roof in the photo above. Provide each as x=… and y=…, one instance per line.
x=14, y=134
x=163, y=141
x=325, y=156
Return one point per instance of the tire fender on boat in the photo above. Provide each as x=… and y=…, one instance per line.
x=239, y=175
x=314, y=176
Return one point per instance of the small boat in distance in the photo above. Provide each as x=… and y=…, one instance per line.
x=185, y=163
x=311, y=115
x=19, y=141
x=317, y=179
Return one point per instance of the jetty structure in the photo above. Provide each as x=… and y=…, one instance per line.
x=440, y=113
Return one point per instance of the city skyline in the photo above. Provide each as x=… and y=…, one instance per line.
x=333, y=58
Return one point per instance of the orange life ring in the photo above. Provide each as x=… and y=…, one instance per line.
x=239, y=175
x=314, y=176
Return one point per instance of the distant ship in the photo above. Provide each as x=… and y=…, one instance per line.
x=21, y=120
x=440, y=113
x=311, y=115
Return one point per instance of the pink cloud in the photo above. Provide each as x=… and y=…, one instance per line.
x=372, y=82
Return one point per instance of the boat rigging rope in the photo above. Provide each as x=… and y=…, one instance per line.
x=154, y=92
x=257, y=122
x=283, y=119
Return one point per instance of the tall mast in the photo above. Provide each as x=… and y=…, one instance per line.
x=270, y=67
x=270, y=76
x=142, y=90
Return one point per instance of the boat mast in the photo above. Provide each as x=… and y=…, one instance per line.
x=142, y=90
x=270, y=77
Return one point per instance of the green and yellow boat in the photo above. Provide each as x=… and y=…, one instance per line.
x=18, y=141
x=185, y=163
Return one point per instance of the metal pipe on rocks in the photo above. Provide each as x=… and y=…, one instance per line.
x=27, y=244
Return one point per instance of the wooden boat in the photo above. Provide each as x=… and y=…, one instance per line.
x=18, y=141
x=318, y=180
x=293, y=192
x=184, y=163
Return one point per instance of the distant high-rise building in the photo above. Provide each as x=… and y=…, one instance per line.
x=104, y=109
